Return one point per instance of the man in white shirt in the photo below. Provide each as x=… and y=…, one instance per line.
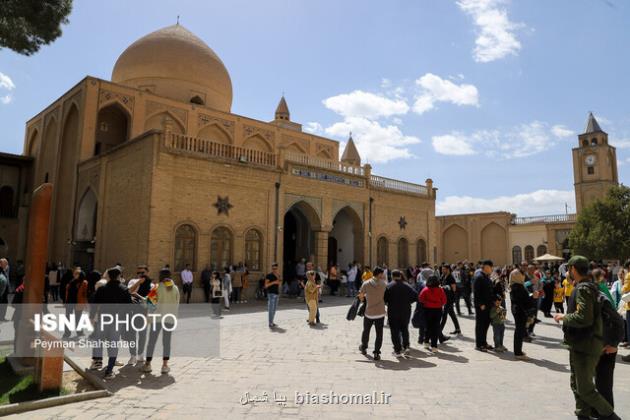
x=187, y=281
x=352, y=274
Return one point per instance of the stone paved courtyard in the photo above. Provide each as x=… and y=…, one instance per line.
x=458, y=383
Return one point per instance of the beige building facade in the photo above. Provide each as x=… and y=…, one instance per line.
x=152, y=167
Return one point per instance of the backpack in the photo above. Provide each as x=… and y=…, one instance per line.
x=613, y=323
x=573, y=334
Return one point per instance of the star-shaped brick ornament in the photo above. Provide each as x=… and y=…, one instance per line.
x=223, y=205
x=402, y=222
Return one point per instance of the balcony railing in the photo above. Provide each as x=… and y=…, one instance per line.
x=556, y=218
x=396, y=185
x=208, y=148
x=316, y=162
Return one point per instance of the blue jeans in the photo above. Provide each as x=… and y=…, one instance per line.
x=108, y=333
x=498, y=332
x=272, y=305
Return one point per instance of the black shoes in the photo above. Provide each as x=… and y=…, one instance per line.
x=377, y=356
x=362, y=350
x=456, y=332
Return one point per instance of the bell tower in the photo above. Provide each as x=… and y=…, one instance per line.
x=594, y=165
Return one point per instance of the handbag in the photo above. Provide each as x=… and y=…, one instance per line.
x=417, y=320
x=354, y=308
x=361, y=311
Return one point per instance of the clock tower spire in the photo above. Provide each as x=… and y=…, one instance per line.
x=594, y=164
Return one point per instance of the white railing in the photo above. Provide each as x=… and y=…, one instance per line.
x=316, y=162
x=556, y=218
x=396, y=185
x=208, y=148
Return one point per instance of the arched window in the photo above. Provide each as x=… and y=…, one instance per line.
x=585, y=142
x=517, y=255
x=403, y=253
x=221, y=248
x=421, y=251
x=196, y=100
x=593, y=141
x=185, y=247
x=253, y=248
x=382, y=251
x=6, y=201
x=85, y=226
x=529, y=253
x=541, y=250
x=112, y=128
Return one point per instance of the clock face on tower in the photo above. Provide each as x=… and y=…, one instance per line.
x=590, y=160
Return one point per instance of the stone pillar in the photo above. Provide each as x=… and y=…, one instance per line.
x=36, y=257
x=281, y=157
x=49, y=366
x=321, y=249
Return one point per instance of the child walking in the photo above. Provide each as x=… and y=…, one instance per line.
x=497, y=318
x=558, y=297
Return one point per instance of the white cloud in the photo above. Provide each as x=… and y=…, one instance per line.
x=376, y=142
x=365, y=104
x=541, y=202
x=454, y=144
x=313, y=128
x=496, y=33
x=562, y=131
x=515, y=142
x=6, y=84
x=435, y=89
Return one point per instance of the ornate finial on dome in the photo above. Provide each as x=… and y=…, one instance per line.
x=282, y=110
x=177, y=20
x=351, y=154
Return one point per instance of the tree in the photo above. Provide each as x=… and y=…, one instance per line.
x=26, y=25
x=602, y=230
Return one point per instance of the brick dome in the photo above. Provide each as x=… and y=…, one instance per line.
x=174, y=63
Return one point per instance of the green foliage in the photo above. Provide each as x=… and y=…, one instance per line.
x=602, y=230
x=15, y=388
x=26, y=25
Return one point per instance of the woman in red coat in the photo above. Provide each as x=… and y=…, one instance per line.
x=433, y=300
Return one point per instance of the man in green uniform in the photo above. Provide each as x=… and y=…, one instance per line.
x=583, y=331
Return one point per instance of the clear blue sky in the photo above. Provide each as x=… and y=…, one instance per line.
x=483, y=96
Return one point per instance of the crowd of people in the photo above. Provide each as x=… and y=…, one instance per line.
x=586, y=297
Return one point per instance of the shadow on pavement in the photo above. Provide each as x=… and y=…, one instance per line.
x=406, y=363
x=130, y=375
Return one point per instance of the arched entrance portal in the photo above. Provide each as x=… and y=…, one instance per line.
x=345, y=243
x=300, y=224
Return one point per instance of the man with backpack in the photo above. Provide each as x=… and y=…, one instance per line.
x=583, y=333
x=613, y=334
